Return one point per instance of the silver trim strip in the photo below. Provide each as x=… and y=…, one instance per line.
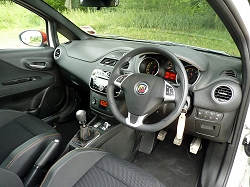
x=123, y=77
x=170, y=95
x=216, y=100
x=138, y=122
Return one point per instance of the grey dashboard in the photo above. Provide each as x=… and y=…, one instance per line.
x=214, y=80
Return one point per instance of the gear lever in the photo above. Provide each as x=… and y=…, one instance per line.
x=85, y=132
x=81, y=117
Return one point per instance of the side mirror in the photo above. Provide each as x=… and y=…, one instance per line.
x=99, y=3
x=33, y=38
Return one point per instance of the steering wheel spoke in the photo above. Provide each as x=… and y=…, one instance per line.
x=119, y=80
x=134, y=120
x=169, y=92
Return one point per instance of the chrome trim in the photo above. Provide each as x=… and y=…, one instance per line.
x=138, y=122
x=216, y=100
x=145, y=69
x=93, y=139
x=119, y=84
x=166, y=95
x=57, y=57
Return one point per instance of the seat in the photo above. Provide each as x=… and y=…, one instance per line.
x=9, y=179
x=91, y=167
x=23, y=138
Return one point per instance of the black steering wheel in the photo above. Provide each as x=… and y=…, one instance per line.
x=145, y=93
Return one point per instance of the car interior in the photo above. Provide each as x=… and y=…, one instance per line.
x=98, y=111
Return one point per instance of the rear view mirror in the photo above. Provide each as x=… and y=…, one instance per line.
x=99, y=3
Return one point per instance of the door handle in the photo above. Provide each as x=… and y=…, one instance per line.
x=38, y=65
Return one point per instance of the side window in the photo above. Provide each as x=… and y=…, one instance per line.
x=62, y=39
x=14, y=20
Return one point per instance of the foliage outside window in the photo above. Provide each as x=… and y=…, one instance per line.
x=190, y=22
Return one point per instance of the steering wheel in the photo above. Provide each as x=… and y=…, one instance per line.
x=145, y=93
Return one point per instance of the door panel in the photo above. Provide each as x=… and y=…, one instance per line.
x=30, y=81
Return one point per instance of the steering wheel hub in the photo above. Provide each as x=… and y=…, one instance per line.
x=141, y=88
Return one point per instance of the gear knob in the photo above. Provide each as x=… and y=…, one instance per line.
x=81, y=116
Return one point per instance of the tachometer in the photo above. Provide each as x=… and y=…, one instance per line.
x=152, y=66
x=192, y=74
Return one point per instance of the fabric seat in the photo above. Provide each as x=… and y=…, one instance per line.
x=96, y=168
x=23, y=138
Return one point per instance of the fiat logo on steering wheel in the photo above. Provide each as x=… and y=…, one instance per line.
x=141, y=88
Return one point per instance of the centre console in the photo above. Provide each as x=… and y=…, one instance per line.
x=98, y=84
x=103, y=131
x=102, y=123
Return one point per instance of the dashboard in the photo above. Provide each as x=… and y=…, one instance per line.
x=214, y=81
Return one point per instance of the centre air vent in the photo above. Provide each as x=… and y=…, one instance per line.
x=112, y=62
x=109, y=61
x=57, y=53
x=222, y=93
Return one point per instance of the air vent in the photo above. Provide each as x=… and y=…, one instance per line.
x=222, y=93
x=109, y=61
x=125, y=66
x=230, y=73
x=112, y=62
x=57, y=53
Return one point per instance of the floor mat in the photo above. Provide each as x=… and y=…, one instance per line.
x=173, y=165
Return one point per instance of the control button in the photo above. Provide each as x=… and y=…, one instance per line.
x=105, y=126
x=206, y=114
x=93, y=102
x=211, y=115
x=169, y=90
x=200, y=112
x=97, y=124
x=121, y=78
x=108, y=73
x=218, y=116
x=101, y=88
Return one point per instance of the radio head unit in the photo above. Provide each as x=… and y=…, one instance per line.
x=99, y=81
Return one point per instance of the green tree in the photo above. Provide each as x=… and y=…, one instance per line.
x=58, y=4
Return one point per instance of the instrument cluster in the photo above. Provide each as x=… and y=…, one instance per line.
x=158, y=65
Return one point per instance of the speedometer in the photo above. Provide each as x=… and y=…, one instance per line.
x=152, y=66
x=149, y=65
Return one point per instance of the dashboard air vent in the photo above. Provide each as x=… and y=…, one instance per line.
x=222, y=93
x=112, y=62
x=230, y=73
x=109, y=61
x=125, y=66
x=57, y=53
